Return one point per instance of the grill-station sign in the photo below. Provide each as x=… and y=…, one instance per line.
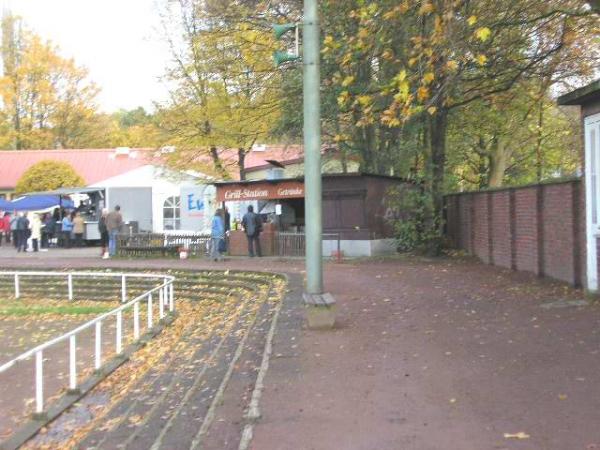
x=260, y=191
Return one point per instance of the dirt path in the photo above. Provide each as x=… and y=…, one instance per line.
x=436, y=355
x=440, y=354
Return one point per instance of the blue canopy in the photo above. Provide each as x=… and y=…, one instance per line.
x=39, y=202
x=5, y=205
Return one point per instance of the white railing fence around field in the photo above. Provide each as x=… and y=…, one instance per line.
x=166, y=301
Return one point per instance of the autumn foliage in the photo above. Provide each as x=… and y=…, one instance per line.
x=48, y=175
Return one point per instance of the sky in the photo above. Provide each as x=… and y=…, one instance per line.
x=115, y=39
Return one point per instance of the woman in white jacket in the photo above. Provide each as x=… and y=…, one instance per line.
x=36, y=231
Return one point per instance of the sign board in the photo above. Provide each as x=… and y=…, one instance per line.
x=260, y=191
x=193, y=208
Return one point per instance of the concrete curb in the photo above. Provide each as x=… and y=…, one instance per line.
x=253, y=414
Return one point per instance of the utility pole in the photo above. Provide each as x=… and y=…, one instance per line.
x=312, y=149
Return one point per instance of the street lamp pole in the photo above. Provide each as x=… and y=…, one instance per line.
x=312, y=149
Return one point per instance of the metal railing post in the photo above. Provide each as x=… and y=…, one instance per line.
x=123, y=289
x=98, y=352
x=119, y=340
x=70, y=285
x=17, y=287
x=165, y=294
x=149, y=311
x=161, y=303
x=72, y=362
x=39, y=382
x=136, y=320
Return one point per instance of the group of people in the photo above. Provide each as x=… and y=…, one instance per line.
x=17, y=228
x=67, y=229
x=251, y=224
x=44, y=230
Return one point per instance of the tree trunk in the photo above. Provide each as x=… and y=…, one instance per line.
x=218, y=164
x=242, y=163
x=499, y=157
x=539, y=160
x=438, y=124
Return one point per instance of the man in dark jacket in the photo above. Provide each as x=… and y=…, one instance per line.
x=22, y=232
x=252, y=224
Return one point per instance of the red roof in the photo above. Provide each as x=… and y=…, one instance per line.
x=257, y=158
x=93, y=165
x=96, y=165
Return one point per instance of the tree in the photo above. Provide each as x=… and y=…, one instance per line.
x=47, y=100
x=134, y=128
x=225, y=86
x=406, y=66
x=48, y=175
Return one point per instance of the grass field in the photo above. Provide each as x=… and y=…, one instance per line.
x=29, y=307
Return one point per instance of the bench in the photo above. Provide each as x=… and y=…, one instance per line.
x=143, y=250
x=320, y=310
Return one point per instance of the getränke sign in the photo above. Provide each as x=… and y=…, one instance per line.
x=260, y=191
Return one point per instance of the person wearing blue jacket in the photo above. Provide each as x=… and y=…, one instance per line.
x=217, y=233
x=67, y=229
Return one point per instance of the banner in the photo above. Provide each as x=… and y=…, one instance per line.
x=193, y=208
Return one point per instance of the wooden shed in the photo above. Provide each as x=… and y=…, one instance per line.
x=356, y=208
x=588, y=98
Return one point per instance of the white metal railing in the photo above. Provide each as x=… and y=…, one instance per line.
x=166, y=298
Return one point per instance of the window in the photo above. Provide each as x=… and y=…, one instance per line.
x=172, y=213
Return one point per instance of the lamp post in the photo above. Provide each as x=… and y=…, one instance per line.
x=312, y=149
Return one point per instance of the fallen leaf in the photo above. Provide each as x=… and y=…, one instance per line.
x=519, y=435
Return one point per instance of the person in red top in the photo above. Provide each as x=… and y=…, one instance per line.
x=1, y=228
x=5, y=227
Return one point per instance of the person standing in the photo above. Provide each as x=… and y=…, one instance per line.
x=36, y=231
x=6, y=220
x=217, y=231
x=66, y=230
x=22, y=232
x=78, y=229
x=227, y=227
x=14, y=220
x=227, y=219
x=47, y=230
x=114, y=222
x=252, y=224
x=2, y=229
x=103, y=233
x=57, y=216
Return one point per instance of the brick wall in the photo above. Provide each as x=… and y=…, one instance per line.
x=534, y=228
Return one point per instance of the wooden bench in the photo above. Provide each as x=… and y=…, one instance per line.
x=143, y=250
x=320, y=310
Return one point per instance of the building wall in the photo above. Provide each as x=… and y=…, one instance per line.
x=536, y=229
x=164, y=184
x=588, y=109
x=359, y=208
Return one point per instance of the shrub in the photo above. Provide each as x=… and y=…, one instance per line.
x=48, y=175
x=414, y=227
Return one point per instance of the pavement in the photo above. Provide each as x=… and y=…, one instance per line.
x=426, y=354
